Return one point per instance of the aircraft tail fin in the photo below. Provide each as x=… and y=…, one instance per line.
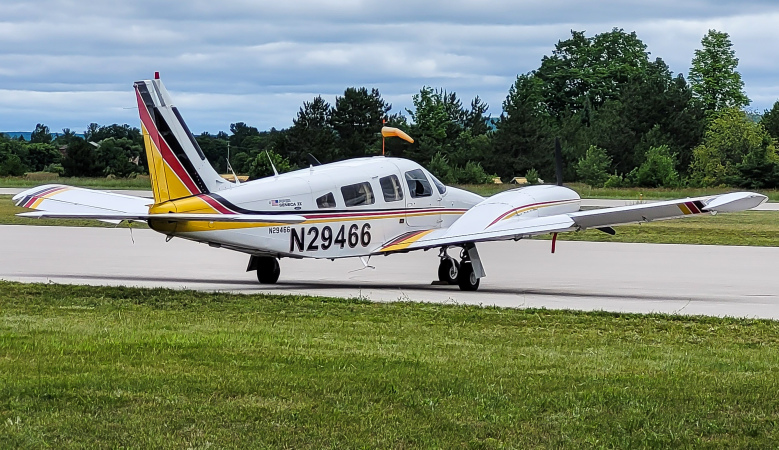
x=177, y=166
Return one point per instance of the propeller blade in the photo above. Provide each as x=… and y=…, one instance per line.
x=558, y=160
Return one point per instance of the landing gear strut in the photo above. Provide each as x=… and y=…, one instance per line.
x=448, y=268
x=267, y=268
x=467, y=273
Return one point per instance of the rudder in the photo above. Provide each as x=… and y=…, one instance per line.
x=177, y=166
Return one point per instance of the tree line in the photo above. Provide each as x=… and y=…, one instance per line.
x=623, y=119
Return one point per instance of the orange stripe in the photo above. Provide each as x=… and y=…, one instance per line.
x=684, y=209
x=406, y=242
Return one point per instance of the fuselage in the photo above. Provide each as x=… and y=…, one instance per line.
x=351, y=208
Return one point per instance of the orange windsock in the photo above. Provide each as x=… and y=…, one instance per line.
x=392, y=131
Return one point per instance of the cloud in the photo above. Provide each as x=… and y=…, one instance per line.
x=66, y=64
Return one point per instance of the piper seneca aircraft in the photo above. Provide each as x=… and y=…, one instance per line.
x=355, y=208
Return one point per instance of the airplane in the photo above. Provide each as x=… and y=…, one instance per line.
x=357, y=208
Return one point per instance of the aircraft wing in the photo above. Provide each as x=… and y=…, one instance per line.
x=473, y=229
x=67, y=202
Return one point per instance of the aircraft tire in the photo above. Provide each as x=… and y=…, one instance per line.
x=466, y=279
x=448, y=270
x=268, y=270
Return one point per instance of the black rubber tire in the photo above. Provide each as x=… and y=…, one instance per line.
x=466, y=279
x=448, y=270
x=268, y=270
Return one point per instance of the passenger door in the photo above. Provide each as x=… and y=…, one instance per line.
x=423, y=201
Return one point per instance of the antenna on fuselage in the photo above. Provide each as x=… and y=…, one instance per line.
x=275, y=172
x=558, y=161
x=230, y=166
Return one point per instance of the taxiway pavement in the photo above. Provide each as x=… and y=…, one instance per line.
x=683, y=279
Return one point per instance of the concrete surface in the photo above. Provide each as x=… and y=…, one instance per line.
x=684, y=279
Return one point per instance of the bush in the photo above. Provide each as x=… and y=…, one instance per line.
x=12, y=166
x=472, y=173
x=440, y=167
x=614, y=181
x=659, y=169
x=593, y=168
x=532, y=176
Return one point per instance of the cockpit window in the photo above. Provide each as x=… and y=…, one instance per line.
x=326, y=201
x=418, y=185
x=390, y=187
x=358, y=194
x=438, y=185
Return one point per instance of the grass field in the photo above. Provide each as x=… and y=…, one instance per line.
x=101, y=183
x=118, y=367
x=622, y=193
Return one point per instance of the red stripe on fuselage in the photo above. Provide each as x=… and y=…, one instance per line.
x=215, y=204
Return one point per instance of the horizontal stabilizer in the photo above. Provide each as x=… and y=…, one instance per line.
x=172, y=217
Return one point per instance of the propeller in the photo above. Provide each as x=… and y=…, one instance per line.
x=558, y=161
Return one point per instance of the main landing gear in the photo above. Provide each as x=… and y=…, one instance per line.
x=467, y=273
x=267, y=268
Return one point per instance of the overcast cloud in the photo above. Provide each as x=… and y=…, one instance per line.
x=66, y=63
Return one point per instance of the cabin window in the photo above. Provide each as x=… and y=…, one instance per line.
x=418, y=185
x=358, y=194
x=390, y=187
x=326, y=201
x=438, y=185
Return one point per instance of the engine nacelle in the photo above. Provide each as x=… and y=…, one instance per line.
x=517, y=204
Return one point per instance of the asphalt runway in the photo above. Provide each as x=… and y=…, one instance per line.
x=682, y=279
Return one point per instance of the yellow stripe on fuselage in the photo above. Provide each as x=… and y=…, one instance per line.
x=405, y=243
x=202, y=225
x=684, y=209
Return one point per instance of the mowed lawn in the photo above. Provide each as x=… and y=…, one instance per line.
x=120, y=367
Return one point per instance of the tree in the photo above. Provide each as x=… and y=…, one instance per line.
x=524, y=134
x=81, y=160
x=733, y=151
x=357, y=118
x=658, y=169
x=41, y=135
x=261, y=167
x=584, y=72
x=118, y=157
x=312, y=132
x=593, y=169
x=713, y=74
x=770, y=121
x=40, y=155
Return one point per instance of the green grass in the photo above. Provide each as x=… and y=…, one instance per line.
x=622, y=193
x=102, y=183
x=758, y=228
x=85, y=367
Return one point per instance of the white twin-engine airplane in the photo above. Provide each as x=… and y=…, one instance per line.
x=356, y=208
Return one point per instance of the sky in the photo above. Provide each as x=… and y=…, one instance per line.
x=66, y=63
